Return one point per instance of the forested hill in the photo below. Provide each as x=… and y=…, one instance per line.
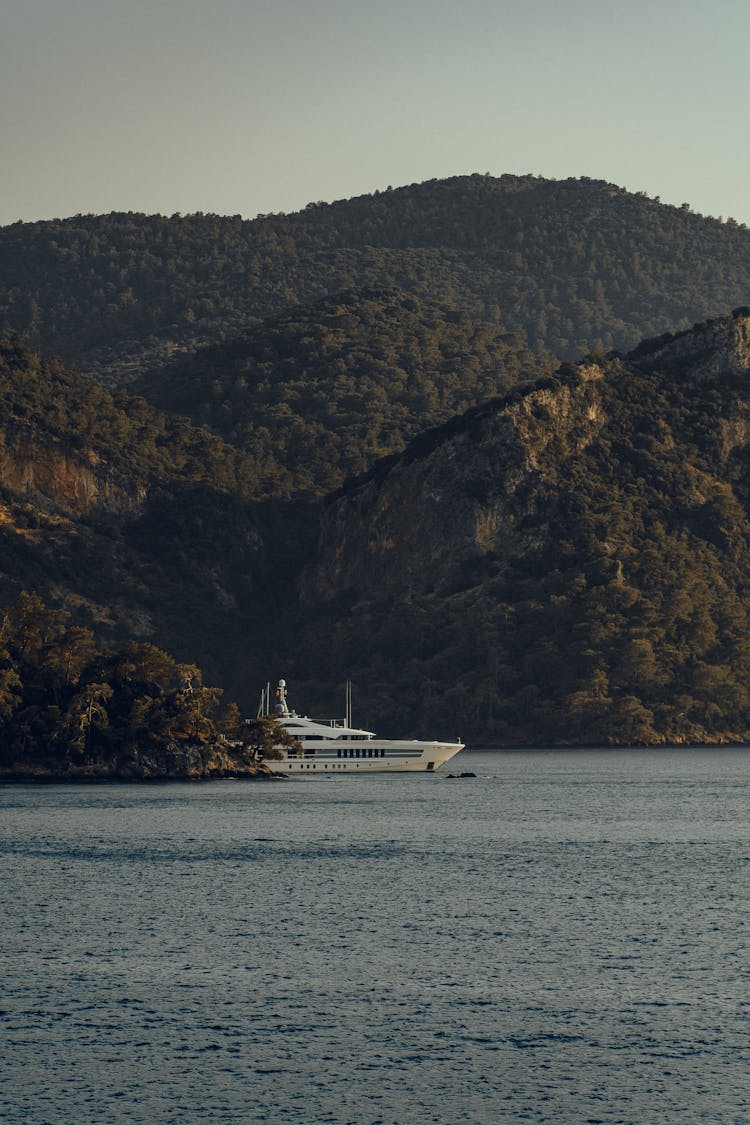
x=566, y=563
x=318, y=394
x=569, y=265
x=143, y=526
x=570, y=563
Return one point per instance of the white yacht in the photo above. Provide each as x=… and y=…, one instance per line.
x=329, y=746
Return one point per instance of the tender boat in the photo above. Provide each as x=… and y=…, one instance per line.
x=329, y=746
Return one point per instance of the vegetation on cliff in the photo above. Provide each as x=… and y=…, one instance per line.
x=124, y=439
x=142, y=527
x=573, y=562
x=70, y=710
x=320, y=393
x=566, y=562
x=567, y=265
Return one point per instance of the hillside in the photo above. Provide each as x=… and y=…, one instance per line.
x=566, y=563
x=127, y=444
x=569, y=563
x=144, y=527
x=320, y=393
x=567, y=265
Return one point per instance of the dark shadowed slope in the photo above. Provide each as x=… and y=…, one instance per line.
x=320, y=393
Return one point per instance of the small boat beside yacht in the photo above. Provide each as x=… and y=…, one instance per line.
x=332, y=746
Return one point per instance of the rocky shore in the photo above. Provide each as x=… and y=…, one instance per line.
x=173, y=762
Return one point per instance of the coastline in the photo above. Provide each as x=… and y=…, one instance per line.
x=21, y=777
x=194, y=762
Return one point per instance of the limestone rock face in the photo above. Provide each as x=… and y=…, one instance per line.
x=567, y=564
x=717, y=348
x=75, y=482
x=456, y=494
x=483, y=484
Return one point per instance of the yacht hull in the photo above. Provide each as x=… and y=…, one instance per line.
x=375, y=757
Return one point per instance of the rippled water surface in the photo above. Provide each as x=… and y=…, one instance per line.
x=563, y=938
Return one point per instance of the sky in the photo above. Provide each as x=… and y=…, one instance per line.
x=257, y=106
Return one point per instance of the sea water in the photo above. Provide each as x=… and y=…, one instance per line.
x=563, y=938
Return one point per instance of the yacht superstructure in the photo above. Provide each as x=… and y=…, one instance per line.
x=330, y=746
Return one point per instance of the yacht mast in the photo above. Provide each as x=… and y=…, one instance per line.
x=348, y=719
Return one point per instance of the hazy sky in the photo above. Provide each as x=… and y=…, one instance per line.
x=248, y=106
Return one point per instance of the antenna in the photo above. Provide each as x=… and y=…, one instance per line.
x=348, y=720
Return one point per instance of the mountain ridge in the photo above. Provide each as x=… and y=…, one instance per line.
x=564, y=561
x=569, y=265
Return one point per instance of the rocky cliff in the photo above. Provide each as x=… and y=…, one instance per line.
x=569, y=563
x=78, y=482
x=483, y=484
x=713, y=350
x=458, y=494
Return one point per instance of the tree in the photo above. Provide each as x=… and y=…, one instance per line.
x=195, y=712
x=69, y=654
x=10, y=692
x=29, y=625
x=88, y=709
x=265, y=739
